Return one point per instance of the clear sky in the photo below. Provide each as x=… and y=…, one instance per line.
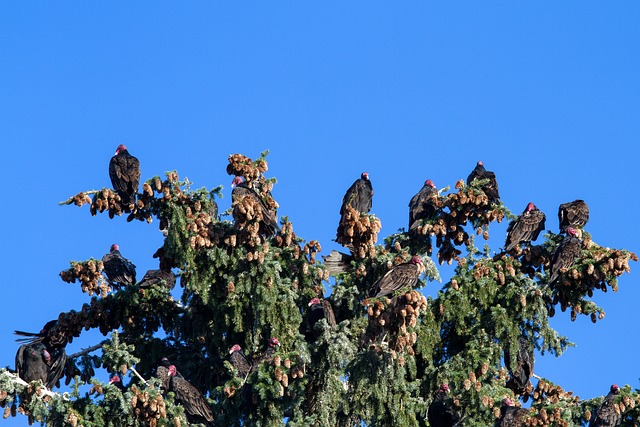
x=546, y=93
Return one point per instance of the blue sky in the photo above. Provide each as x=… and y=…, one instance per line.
x=547, y=94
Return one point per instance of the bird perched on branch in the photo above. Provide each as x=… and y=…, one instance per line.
x=124, y=171
x=120, y=271
x=511, y=415
x=317, y=311
x=268, y=354
x=241, y=190
x=40, y=358
x=441, y=412
x=239, y=360
x=359, y=197
x=565, y=254
x=491, y=187
x=521, y=375
x=423, y=205
x=606, y=414
x=158, y=277
x=195, y=405
x=525, y=228
x=116, y=381
x=403, y=275
x=573, y=214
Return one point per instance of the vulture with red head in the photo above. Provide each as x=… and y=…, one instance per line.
x=423, y=205
x=268, y=354
x=606, y=415
x=565, y=254
x=441, y=412
x=40, y=358
x=241, y=190
x=116, y=381
x=403, y=275
x=120, y=271
x=359, y=196
x=186, y=394
x=525, y=228
x=124, y=171
x=511, y=415
x=491, y=187
x=317, y=311
x=521, y=375
x=573, y=214
x=239, y=360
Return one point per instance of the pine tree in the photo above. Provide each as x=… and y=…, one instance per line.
x=383, y=362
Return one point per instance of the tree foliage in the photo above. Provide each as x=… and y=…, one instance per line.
x=380, y=365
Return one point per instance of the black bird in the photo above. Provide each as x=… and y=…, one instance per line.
x=573, y=214
x=521, y=375
x=239, y=360
x=359, y=196
x=318, y=310
x=510, y=415
x=403, y=275
x=525, y=228
x=120, y=271
x=158, y=277
x=116, y=381
x=606, y=415
x=423, y=204
x=41, y=358
x=441, y=412
x=186, y=394
x=124, y=171
x=565, y=254
x=268, y=354
x=491, y=187
x=269, y=224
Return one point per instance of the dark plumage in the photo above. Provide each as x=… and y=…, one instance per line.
x=158, y=277
x=605, y=415
x=401, y=276
x=119, y=271
x=521, y=375
x=491, y=187
x=195, y=405
x=441, y=412
x=423, y=205
x=116, y=381
x=317, y=311
x=510, y=415
x=525, y=228
x=268, y=354
x=40, y=358
x=269, y=224
x=167, y=364
x=359, y=195
x=573, y=214
x=337, y=262
x=124, y=171
x=567, y=252
x=239, y=360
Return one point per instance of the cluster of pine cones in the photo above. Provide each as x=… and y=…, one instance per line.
x=359, y=232
x=89, y=274
x=285, y=369
x=148, y=409
x=241, y=165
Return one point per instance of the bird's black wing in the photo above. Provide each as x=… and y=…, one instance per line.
x=56, y=367
x=567, y=252
x=525, y=228
x=401, y=276
x=328, y=313
x=124, y=171
x=240, y=362
x=359, y=196
x=421, y=206
x=119, y=270
x=195, y=404
x=573, y=214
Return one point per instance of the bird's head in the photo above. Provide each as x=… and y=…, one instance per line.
x=615, y=389
x=236, y=181
x=114, y=248
x=115, y=379
x=236, y=347
x=416, y=260
x=46, y=356
x=172, y=371
x=444, y=387
x=429, y=183
x=273, y=342
x=480, y=163
x=165, y=362
x=530, y=207
x=365, y=175
x=572, y=232
x=121, y=148
x=507, y=402
x=313, y=302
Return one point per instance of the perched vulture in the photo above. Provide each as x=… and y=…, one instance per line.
x=573, y=214
x=401, y=276
x=40, y=358
x=116, y=381
x=525, y=228
x=165, y=362
x=567, y=252
x=317, y=311
x=124, y=171
x=268, y=354
x=195, y=405
x=239, y=360
x=422, y=205
x=158, y=277
x=269, y=225
x=337, y=262
x=524, y=366
x=359, y=195
x=120, y=271
x=510, y=415
x=441, y=412
x=605, y=415
x=491, y=187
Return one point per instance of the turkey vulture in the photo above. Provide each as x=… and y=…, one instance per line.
x=573, y=214
x=401, y=276
x=525, y=228
x=165, y=362
x=195, y=405
x=606, y=415
x=359, y=195
x=491, y=187
x=116, y=381
x=337, y=262
x=119, y=270
x=422, y=205
x=39, y=358
x=269, y=224
x=441, y=412
x=565, y=254
x=239, y=360
x=124, y=171
x=510, y=415
x=158, y=277
x=317, y=311
x=524, y=366
x=268, y=354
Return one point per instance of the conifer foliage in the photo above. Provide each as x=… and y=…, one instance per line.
x=246, y=283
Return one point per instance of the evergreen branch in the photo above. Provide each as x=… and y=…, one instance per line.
x=14, y=378
x=70, y=200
